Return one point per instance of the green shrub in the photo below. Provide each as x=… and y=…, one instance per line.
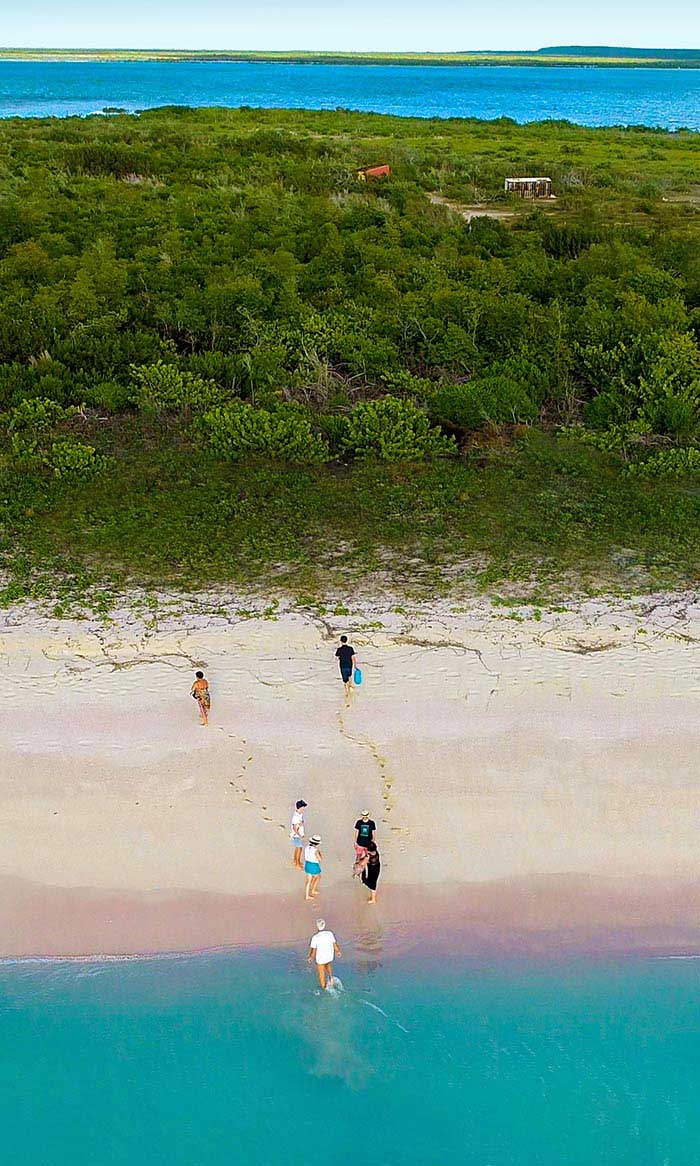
x=616, y=439
x=669, y=463
x=403, y=383
x=70, y=459
x=334, y=428
x=392, y=429
x=368, y=356
x=164, y=388
x=221, y=367
x=670, y=391
x=16, y=381
x=238, y=430
x=30, y=425
x=497, y=399
x=607, y=409
x=115, y=159
x=109, y=395
x=674, y=414
x=37, y=415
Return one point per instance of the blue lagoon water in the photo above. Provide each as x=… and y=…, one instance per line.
x=233, y=1058
x=590, y=96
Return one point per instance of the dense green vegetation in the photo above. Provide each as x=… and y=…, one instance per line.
x=548, y=57
x=223, y=357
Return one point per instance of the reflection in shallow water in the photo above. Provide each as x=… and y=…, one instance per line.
x=368, y=948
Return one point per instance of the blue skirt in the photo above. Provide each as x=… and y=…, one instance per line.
x=312, y=868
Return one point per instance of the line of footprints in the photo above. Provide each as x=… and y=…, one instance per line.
x=381, y=762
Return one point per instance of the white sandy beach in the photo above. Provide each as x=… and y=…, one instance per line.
x=491, y=750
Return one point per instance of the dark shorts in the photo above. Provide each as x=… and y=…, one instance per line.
x=345, y=674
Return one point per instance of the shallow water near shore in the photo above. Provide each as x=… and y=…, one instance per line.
x=234, y=1056
x=589, y=96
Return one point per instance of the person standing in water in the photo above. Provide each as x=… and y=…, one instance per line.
x=200, y=692
x=312, y=867
x=324, y=946
x=297, y=834
x=347, y=661
x=372, y=867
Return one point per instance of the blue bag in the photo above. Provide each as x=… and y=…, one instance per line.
x=357, y=677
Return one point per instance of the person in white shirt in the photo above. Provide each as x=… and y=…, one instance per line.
x=325, y=947
x=296, y=834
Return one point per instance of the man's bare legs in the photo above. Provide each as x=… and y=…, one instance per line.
x=325, y=972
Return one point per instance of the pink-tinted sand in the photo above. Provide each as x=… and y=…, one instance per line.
x=534, y=782
x=541, y=917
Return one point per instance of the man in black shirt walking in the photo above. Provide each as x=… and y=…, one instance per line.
x=348, y=662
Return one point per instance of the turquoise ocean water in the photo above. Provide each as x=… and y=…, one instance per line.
x=657, y=97
x=233, y=1058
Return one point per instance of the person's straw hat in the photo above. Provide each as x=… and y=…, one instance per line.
x=315, y=840
x=321, y=924
x=365, y=813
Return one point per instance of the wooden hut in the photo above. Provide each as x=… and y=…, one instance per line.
x=529, y=187
x=368, y=172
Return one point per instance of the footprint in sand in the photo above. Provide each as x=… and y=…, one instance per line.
x=387, y=780
x=240, y=789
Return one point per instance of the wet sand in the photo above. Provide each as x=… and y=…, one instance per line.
x=532, y=777
x=551, y=918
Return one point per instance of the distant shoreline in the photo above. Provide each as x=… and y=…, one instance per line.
x=542, y=58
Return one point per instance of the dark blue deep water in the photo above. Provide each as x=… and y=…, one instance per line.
x=234, y=1059
x=589, y=96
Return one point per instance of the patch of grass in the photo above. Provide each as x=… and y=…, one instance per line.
x=536, y=514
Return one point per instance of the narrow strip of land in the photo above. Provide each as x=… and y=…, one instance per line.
x=541, y=58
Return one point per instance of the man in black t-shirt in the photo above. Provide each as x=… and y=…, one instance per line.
x=347, y=660
x=364, y=831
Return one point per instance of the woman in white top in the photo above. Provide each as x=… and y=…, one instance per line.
x=312, y=867
x=296, y=834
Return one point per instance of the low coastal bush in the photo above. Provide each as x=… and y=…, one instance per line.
x=618, y=439
x=37, y=415
x=239, y=430
x=110, y=396
x=31, y=424
x=165, y=388
x=74, y=460
x=392, y=429
x=233, y=309
x=668, y=463
x=334, y=429
x=670, y=390
x=489, y=399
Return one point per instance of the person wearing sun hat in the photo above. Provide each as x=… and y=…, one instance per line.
x=324, y=946
x=312, y=867
x=364, y=833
